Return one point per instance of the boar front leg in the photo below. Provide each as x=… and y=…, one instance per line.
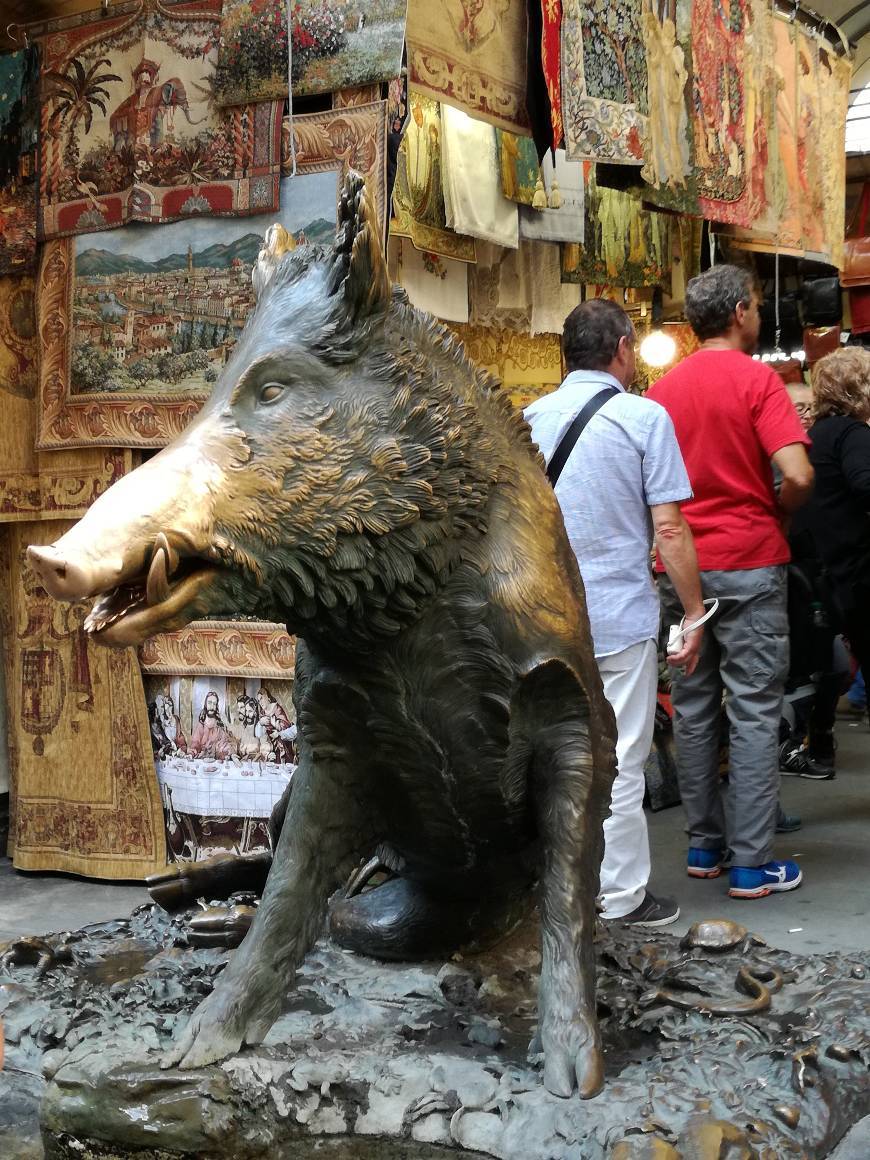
x=571, y=794
x=325, y=831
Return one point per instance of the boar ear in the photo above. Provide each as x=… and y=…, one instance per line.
x=276, y=244
x=360, y=266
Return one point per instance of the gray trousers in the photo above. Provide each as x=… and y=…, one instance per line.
x=744, y=654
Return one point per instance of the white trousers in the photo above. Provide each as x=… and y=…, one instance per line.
x=630, y=681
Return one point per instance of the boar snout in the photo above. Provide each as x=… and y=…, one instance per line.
x=65, y=578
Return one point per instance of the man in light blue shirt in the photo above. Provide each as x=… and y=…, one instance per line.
x=622, y=483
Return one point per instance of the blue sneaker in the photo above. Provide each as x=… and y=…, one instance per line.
x=759, y=881
x=704, y=863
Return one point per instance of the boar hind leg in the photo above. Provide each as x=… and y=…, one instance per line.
x=323, y=834
x=571, y=795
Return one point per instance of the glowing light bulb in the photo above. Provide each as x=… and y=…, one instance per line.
x=658, y=349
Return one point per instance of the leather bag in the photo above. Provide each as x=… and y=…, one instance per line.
x=823, y=303
x=819, y=341
x=856, y=254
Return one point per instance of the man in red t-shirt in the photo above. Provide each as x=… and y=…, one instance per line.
x=732, y=417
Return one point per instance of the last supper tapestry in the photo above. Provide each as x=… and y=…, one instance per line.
x=130, y=128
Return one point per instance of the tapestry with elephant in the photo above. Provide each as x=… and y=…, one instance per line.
x=131, y=130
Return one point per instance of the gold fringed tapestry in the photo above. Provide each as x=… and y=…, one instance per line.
x=472, y=56
x=83, y=783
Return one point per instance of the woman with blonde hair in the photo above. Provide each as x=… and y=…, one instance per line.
x=838, y=514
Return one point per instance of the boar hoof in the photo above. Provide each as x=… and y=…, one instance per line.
x=220, y=1025
x=572, y=1058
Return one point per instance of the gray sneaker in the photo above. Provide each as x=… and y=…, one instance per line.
x=651, y=912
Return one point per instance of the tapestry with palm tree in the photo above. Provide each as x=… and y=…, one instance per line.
x=19, y=128
x=130, y=128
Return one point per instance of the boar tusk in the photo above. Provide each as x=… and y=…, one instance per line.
x=157, y=585
x=171, y=554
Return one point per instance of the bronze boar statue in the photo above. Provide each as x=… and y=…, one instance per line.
x=355, y=476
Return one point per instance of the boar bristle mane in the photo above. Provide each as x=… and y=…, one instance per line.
x=379, y=479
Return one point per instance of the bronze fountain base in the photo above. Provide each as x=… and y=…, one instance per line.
x=715, y=1046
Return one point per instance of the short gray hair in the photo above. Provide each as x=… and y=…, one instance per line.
x=713, y=297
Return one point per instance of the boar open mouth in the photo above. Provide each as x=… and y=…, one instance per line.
x=154, y=600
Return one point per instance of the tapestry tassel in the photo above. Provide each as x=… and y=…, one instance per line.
x=555, y=199
x=539, y=201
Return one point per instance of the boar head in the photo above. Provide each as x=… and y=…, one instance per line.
x=328, y=480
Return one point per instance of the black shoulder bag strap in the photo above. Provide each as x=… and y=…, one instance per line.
x=566, y=444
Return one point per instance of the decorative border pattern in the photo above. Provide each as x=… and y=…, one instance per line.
x=340, y=140
x=225, y=648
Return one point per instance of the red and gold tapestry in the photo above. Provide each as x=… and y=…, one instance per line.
x=604, y=81
x=19, y=132
x=86, y=799
x=130, y=128
x=551, y=62
x=473, y=56
x=37, y=485
x=732, y=49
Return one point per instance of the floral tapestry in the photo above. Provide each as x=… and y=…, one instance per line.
x=131, y=131
x=418, y=194
x=37, y=485
x=669, y=169
x=138, y=322
x=19, y=132
x=625, y=244
x=604, y=81
x=336, y=44
x=86, y=798
x=473, y=56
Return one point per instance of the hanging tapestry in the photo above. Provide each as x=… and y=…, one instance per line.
x=418, y=194
x=527, y=367
x=733, y=58
x=473, y=200
x=520, y=289
x=835, y=75
x=625, y=244
x=604, y=81
x=432, y=282
x=564, y=184
x=551, y=63
x=86, y=798
x=220, y=709
x=669, y=169
x=336, y=45
x=130, y=130
x=19, y=132
x=154, y=313
x=785, y=217
x=38, y=485
x=518, y=166
x=473, y=56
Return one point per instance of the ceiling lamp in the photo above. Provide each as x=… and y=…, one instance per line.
x=658, y=349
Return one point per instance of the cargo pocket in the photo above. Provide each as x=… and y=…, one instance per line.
x=770, y=651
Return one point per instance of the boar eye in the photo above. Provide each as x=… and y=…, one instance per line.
x=270, y=392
